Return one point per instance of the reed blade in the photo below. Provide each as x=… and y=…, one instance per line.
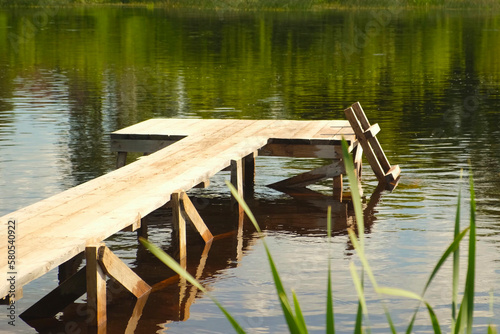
x=301, y=322
x=389, y=320
x=434, y=320
x=356, y=197
x=330, y=315
x=471, y=269
x=172, y=264
x=456, y=257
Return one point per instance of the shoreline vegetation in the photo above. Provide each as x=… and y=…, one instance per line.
x=265, y=4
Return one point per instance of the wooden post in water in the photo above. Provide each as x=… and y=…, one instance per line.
x=96, y=287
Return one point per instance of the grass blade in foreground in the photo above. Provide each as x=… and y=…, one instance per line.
x=296, y=324
x=172, y=264
x=330, y=317
x=456, y=259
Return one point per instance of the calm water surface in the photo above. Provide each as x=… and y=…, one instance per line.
x=431, y=79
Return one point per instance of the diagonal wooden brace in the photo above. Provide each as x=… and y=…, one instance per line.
x=101, y=262
x=182, y=210
x=302, y=180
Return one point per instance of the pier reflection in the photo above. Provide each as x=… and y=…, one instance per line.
x=302, y=213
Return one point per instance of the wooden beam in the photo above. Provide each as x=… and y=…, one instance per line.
x=135, y=225
x=325, y=151
x=195, y=218
x=329, y=171
x=358, y=160
x=179, y=223
x=237, y=176
x=121, y=159
x=139, y=145
x=203, y=184
x=372, y=131
x=96, y=287
x=249, y=174
x=115, y=268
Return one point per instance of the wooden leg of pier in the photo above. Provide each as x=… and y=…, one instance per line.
x=358, y=160
x=249, y=174
x=237, y=175
x=121, y=159
x=184, y=210
x=237, y=181
x=179, y=223
x=96, y=287
x=100, y=262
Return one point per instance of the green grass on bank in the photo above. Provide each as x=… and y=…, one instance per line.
x=266, y=4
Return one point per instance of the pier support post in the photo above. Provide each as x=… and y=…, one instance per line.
x=121, y=159
x=96, y=287
x=237, y=181
x=237, y=175
x=184, y=210
x=249, y=174
x=179, y=223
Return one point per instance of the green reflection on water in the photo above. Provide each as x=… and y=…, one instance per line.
x=420, y=74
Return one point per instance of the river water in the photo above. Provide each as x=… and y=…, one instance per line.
x=430, y=78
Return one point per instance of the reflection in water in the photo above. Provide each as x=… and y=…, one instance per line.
x=301, y=214
x=430, y=78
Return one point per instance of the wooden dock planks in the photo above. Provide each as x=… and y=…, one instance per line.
x=64, y=224
x=185, y=153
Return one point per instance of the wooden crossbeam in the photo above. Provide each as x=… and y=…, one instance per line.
x=374, y=153
x=329, y=171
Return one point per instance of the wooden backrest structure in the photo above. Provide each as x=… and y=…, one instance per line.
x=366, y=135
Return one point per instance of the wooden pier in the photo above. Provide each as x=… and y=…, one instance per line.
x=180, y=154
